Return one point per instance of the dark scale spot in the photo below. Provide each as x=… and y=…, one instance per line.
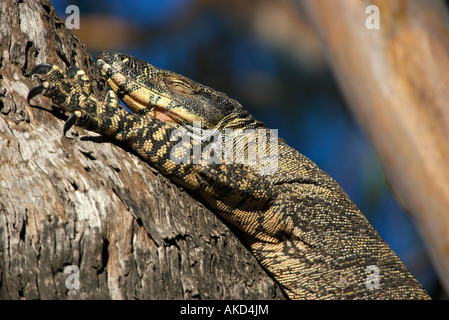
x=260, y=224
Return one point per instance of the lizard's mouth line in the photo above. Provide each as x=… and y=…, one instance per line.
x=140, y=99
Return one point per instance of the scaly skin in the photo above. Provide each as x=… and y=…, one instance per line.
x=299, y=223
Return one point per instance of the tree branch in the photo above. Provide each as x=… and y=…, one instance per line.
x=89, y=203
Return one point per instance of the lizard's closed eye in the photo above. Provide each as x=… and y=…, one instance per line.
x=180, y=86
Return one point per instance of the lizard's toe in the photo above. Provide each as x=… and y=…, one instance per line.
x=80, y=79
x=51, y=72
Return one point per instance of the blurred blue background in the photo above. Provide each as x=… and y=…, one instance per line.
x=266, y=55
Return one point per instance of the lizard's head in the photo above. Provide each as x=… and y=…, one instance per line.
x=170, y=97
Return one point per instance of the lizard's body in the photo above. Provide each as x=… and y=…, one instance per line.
x=298, y=222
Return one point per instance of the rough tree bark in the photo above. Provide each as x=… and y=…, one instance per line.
x=90, y=203
x=396, y=80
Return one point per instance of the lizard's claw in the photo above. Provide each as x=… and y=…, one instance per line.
x=34, y=92
x=71, y=121
x=42, y=68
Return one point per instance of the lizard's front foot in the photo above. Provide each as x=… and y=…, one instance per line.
x=71, y=92
x=66, y=90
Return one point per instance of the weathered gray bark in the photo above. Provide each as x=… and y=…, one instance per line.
x=90, y=203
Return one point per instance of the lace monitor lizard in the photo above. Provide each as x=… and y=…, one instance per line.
x=298, y=222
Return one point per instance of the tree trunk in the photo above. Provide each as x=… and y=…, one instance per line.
x=88, y=205
x=396, y=79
